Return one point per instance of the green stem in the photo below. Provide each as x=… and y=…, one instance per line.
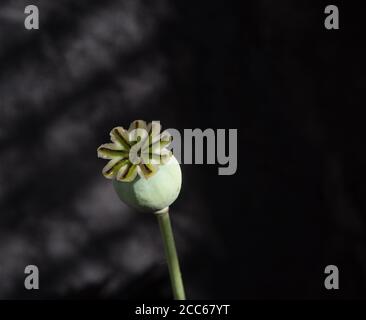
x=171, y=254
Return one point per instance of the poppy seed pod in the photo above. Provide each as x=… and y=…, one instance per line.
x=145, y=174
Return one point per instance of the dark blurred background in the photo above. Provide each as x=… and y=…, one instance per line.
x=294, y=91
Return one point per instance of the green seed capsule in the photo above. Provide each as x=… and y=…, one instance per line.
x=154, y=193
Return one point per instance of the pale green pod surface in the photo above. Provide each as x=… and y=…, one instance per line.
x=154, y=193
